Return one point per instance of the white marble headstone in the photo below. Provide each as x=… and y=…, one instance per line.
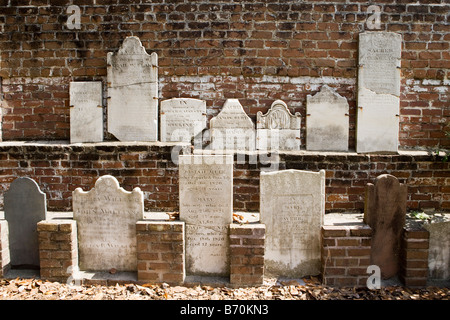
x=292, y=206
x=133, y=92
x=106, y=222
x=182, y=119
x=232, y=128
x=206, y=206
x=278, y=129
x=86, y=112
x=327, y=121
x=377, y=127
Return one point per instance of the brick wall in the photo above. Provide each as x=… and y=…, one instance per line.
x=247, y=254
x=414, y=257
x=160, y=252
x=213, y=50
x=58, y=249
x=345, y=255
x=60, y=168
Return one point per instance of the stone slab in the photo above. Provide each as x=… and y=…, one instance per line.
x=439, y=250
x=232, y=128
x=133, y=92
x=385, y=213
x=106, y=221
x=327, y=121
x=378, y=92
x=206, y=206
x=182, y=119
x=278, y=129
x=292, y=206
x=25, y=205
x=86, y=112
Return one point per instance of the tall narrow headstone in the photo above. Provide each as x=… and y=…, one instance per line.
x=86, y=112
x=106, y=222
x=25, y=205
x=278, y=129
x=182, y=119
x=292, y=206
x=327, y=121
x=378, y=92
x=385, y=213
x=232, y=128
x=133, y=92
x=206, y=206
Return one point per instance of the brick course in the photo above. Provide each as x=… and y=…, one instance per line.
x=414, y=257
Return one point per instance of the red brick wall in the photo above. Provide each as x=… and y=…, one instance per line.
x=60, y=168
x=213, y=50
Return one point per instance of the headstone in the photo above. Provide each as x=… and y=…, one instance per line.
x=385, y=213
x=439, y=250
x=182, y=119
x=292, y=206
x=86, y=112
x=327, y=121
x=133, y=92
x=106, y=222
x=232, y=128
x=278, y=129
x=24, y=205
x=378, y=92
x=206, y=206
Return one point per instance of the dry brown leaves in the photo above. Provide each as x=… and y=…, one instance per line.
x=35, y=289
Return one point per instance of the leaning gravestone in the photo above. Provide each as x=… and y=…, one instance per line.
x=327, y=121
x=278, y=129
x=292, y=206
x=182, y=119
x=133, y=92
x=232, y=128
x=106, y=222
x=385, y=213
x=86, y=112
x=206, y=206
x=378, y=92
x=24, y=205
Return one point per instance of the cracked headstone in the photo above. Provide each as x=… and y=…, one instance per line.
x=206, y=206
x=327, y=121
x=377, y=128
x=182, y=119
x=133, y=92
x=106, y=223
x=24, y=205
x=385, y=213
x=278, y=129
x=292, y=206
x=86, y=112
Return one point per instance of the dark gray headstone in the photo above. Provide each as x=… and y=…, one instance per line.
x=25, y=206
x=385, y=213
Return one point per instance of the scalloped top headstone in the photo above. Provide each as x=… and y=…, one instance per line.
x=106, y=222
x=133, y=92
x=327, y=121
x=24, y=205
x=278, y=129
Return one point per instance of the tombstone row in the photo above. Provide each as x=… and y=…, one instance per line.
x=292, y=207
x=132, y=113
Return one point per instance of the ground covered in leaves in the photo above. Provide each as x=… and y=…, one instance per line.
x=36, y=289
